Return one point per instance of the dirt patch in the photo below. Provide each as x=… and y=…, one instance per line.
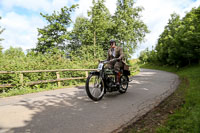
x=159, y=115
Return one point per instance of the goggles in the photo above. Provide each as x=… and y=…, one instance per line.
x=111, y=43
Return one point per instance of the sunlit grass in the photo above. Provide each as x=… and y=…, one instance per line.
x=187, y=118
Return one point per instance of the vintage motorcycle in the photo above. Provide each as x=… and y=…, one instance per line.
x=103, y=80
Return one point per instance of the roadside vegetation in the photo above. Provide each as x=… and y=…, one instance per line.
x=177, y=51
x=180, y=112
x=14, y=59
x=81, y=48
x=185, y=118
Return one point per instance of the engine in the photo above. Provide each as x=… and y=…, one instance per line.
x=110, y=81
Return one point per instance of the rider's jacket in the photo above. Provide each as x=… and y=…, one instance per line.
x=117, y=52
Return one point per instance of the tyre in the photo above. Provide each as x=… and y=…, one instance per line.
x=95, y=87
x=124, y=83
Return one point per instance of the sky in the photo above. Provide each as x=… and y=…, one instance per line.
x=21, y=18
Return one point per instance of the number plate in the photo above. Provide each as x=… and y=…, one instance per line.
x=100, y=66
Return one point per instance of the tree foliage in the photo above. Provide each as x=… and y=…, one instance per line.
x=100, y=19
x=1, y=49
x=129, y=28
x=55, y=34
x=167, y=43
x=81, y=34
x=96, y=29
x=179, y=44
x=1, y=30
x=93, y=29
x=14, y=52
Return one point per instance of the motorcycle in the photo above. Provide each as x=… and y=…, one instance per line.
x=100, y=82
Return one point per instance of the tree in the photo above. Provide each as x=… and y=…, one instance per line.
x=168, y=43
x=100, y=19
x=190, y=35
x=143, y=56
x=55, y=34
x=179, y=44
x=1, y=30
x=130, y=29
x=14, y=52
x=1, y=50
x=81, y=34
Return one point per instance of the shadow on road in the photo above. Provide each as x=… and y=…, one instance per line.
x=58, y=111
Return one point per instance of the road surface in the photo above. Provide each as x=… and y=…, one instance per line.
x=69, y=110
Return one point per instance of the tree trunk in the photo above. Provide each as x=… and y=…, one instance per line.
x=94, y=41
x=87, y=54
x=189, y=62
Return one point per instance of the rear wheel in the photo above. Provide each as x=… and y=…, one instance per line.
x=95, y=87
x=124, y=83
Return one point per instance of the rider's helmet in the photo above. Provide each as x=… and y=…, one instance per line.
x=112, y=40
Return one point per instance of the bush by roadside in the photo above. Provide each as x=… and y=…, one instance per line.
x=14, y=59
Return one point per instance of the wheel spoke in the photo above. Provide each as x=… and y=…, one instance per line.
x=124, y=84
x=95, y=89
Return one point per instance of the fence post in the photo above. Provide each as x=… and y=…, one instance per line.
x=58, y=77
x=86, y=74
x=21, y=81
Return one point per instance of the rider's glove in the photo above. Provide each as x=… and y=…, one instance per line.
x=118, y=59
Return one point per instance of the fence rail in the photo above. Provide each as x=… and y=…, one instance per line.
x=35, y=71
x=58, y=80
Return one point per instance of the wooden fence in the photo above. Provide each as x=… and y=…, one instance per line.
x=58, y=80
x=21, y=76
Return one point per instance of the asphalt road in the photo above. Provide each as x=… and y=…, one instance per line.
x=69, y=110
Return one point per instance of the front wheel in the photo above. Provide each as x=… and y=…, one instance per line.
x=95, y=87
x=124, y=83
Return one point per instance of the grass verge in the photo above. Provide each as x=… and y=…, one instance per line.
x=28, y=90
x=179, y=113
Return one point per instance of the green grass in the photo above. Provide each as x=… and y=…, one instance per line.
x=187, y=118
x=28, y=90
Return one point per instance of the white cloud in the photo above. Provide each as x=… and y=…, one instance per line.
x=34, y=5
x=111, y=5
x=1, y=13
x=57, y=4
x=27, y=4
x=84, y=7
x=21, y=31
x=192, y=5
x=15, y=21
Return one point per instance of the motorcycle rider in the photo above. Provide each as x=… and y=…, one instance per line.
x=115, y=52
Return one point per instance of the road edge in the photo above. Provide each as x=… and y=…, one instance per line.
x=144, y=110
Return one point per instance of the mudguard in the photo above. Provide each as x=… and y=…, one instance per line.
x=126, y=72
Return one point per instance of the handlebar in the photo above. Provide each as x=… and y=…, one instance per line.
x=106, y=62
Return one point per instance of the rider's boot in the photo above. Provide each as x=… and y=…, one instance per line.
x=118, y=79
